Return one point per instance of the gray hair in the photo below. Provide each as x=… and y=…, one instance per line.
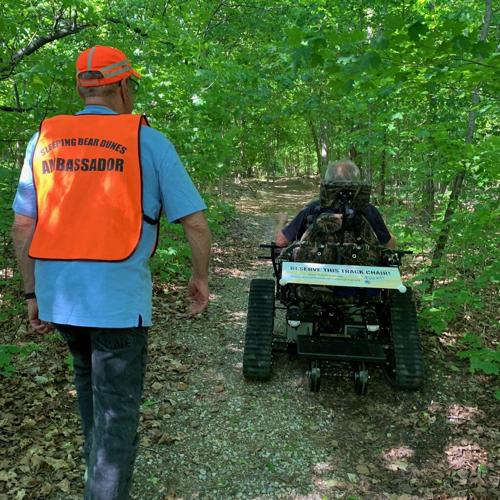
x=344, y=170
x=98, y=91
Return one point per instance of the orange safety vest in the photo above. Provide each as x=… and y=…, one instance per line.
x=88, y=181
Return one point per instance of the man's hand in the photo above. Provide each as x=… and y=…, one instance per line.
x=36, y=323
x=197, y=295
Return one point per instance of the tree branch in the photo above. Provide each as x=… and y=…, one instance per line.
x=208, y=26
x=11, y=109
x=37, y=43
x=474, y=62
x=136, y=30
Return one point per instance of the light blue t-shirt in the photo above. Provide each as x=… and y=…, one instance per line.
x=112, y=294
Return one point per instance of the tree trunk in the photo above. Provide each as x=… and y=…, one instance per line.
x=383, y=170
x=221, y=187
x=320, y=138
x=429, y=185
x=353, y=154
x=428, y=197
x=317, y=146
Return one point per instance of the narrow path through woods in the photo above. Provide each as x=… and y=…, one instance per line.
x=207, y=433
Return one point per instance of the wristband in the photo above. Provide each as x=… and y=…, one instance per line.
x=30, y=295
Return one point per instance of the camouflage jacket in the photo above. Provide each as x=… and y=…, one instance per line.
x=326, y=242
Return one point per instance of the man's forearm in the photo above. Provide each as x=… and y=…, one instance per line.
x=280, y=222
x=22, y=234
x=199, y=238
x=279, y=237
x=200, y=251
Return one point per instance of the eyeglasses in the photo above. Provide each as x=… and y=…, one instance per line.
x=135, y=85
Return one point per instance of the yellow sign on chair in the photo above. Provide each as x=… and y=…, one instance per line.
x=341, y=275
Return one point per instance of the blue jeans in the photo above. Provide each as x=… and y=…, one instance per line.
x=109, y=367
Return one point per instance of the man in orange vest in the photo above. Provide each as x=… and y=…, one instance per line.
x=87, y=211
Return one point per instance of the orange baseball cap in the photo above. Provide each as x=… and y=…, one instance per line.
x=110, y=62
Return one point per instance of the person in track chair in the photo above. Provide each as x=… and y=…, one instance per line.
x=340, y=171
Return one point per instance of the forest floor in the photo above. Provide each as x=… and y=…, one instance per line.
x=208, y=433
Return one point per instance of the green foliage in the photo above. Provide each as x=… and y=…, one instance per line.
x=481, y=359
x=172, y=255
x=7, y=182
x=7, y=354
x=10, y=301
x=465, y=278
x=172, y=258
x=219, y=214
x=442, y=307
x=68, y=360
x=10, y=280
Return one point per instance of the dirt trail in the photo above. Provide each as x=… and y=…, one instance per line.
x=207, y=433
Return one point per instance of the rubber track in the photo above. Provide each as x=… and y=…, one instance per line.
x=257, y=354
x=406, y=341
